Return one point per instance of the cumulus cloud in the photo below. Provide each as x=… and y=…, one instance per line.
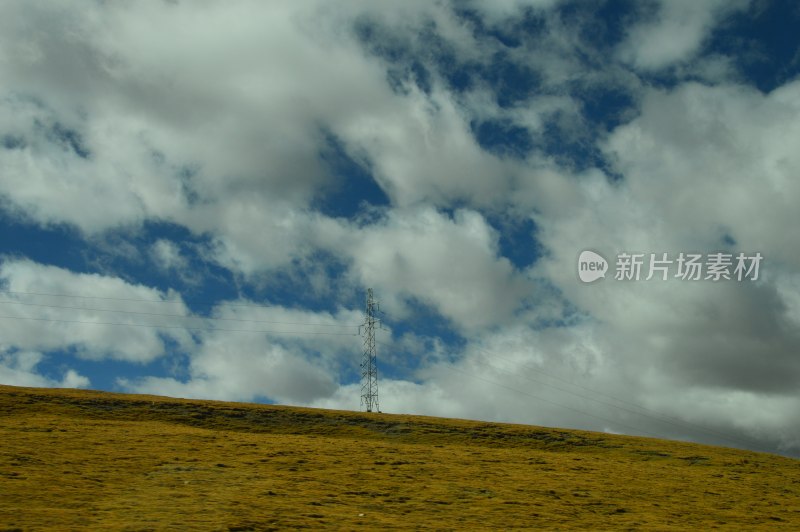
x=136, y=124
x=502, y=10
x=255, y=351
x=243, y=371
x=19, y=368
x=172, y=260
x=230, y=145
x=729, y=143
x=406, y=255
x=585, y=377
x=58, y=161
x=168, y=256
x=35, y=318
x=706, y=169
x=423, y=150
x=399, y=396
x=675, y=32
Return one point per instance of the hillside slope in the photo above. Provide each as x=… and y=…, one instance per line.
x=81, y=459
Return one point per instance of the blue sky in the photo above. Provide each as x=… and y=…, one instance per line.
x=194, y=198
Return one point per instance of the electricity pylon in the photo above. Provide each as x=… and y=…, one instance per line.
x=369, y=366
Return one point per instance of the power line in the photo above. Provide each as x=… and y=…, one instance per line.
x=76, y=296
x=198, y=329
x=582, y=412
x=173, y=315
x=140, y=300
x=672, y=421
x=369, y=367
x=647, y=412
x=676, y=422
x=550, y=401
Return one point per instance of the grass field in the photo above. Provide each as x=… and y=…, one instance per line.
x=72, y=459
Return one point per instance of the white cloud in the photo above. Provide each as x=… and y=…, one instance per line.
x=577, y=377
x=49, y=179
x=18, y=368
x=451, y=264
x=676, y=32
x=43, y=322
x=168, y=255
x=243, y=371
x=223, y=145
x=259, y=351
x=500, y=11
x=228, y=145
x=400, y=397
x=719, y=159
x=422, y=150
x=699, y=163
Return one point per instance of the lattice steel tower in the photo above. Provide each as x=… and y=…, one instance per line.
x=369, y=366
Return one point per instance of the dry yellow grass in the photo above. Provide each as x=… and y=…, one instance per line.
x=73, y=459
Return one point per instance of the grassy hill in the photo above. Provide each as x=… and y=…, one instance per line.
x=81, y=459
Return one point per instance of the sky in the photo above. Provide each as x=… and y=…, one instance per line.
x=195, y=197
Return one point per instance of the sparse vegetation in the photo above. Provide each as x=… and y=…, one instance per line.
x=80, y=459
